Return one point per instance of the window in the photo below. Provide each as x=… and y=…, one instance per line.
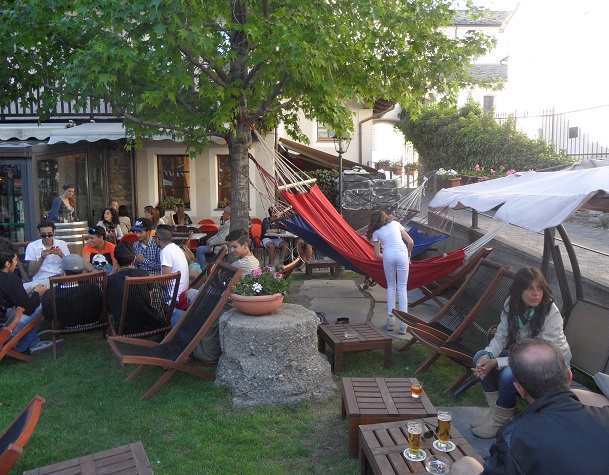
x=224, y=181
x=489, y=103
x=324, y=133
x=174, y=177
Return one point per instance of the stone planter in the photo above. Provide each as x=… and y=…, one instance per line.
x=257, y=304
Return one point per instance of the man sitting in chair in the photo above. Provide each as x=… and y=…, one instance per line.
x=206, y=253
x=77, y=303
x=269, y=227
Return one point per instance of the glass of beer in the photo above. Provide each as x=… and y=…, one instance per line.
x=415, y=429
x=416, y=390
x=443, y=443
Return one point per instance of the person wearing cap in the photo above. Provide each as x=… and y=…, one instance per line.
x=12, y=295
x=44, y=256
x=147, y=252
x=98, y=254
x=205, y=254
x=76, y=304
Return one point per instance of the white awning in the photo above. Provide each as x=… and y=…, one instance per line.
x=29, y=131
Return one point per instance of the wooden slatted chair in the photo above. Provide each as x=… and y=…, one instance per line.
x=77, y=304
x=202, y=277
x=18, y=434
x=465, y=302
x=434, y=290
x=174, y=352
x=148, y=303
x=6, y=344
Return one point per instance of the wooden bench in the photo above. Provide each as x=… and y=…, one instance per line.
x=366, y=337
x=377, y=400
x=130, y=459
x=322, y=264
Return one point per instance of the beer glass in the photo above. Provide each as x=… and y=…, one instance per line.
x=416, y=390
x=415, y=429
x=443, y=443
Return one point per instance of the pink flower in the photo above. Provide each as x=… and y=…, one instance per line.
x=510, y=172
x=501, y=168
x=483, y=178
x=277, y=275
x=268, y=268
x=477, y=167
x=492, y=171
x=257, y=272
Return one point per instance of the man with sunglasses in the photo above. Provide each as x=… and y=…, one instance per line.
x=44, y=255
x=98, y=253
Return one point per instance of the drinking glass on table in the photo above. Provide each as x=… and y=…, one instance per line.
x=415, y=429
x=416, y=390
x=444, y=421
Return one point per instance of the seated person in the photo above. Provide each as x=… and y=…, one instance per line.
x=111, y=224
x=124, y=221
x=80, y=304
x=205, y=254
x=98, y=253
x=141, y=314
x=180, y=218
x=270, y=227
x=194, y=268
x=44, y=256
x=12, y=295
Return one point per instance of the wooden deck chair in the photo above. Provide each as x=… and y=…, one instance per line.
x=435, y=289
x=6, y=345
x=18, y=434
x=473, y=334
x=77, y=304
x=174, y=352
x=148, y=303
x=286, y=271
x=202, y=277
x=461, y=306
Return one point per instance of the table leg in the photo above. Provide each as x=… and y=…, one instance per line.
x=321, y=344
x=338, y=359
x=353, y=436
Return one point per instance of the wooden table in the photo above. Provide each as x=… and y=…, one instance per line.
x=125, y=460
x=367, y=337
x=381, y=447
x=376, y=400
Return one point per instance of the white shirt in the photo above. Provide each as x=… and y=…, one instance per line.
x=51, y=265
x=390, y=236
x=172, y=256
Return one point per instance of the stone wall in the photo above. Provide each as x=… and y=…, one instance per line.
x=120, y=176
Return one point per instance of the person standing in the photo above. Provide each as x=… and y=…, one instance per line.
x=64, y=205
x=147, y=253
x=529, y=312
x=390, y=235
x=98, y=253
x=44, y=256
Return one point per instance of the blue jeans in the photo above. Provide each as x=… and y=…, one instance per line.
x=502, y=381
x=31, y=337
x=204, y=255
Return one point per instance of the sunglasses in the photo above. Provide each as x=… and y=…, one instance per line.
x=47, y=235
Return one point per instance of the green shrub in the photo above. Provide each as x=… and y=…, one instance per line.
x=327, y=181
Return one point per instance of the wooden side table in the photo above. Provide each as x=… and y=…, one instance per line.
x=129, y=459
x=367, y=337
x=381, y=447
x=376, y=400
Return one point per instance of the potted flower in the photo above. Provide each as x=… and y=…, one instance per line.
x=396, y=167
x=448, y=178
x=412, y=168
x=480, y=173
x=261, y=292
x=170, y=202
x=383, y=165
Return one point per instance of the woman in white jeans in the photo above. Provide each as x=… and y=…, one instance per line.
x=390, y=234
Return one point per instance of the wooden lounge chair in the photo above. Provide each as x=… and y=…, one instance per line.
x=77, y=304
x=148, y=303
x=202, y=277
x=469, y=299
x=435, y=289
x=18, y=433
x=6, y=345
x=174, y=352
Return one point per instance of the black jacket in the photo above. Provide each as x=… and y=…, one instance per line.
x=556, y=435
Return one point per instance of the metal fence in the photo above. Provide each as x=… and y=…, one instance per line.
x=580, y=133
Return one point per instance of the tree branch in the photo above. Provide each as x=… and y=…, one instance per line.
x=272, y=96
x=216, y=75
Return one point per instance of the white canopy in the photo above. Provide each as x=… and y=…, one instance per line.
x=531, y=200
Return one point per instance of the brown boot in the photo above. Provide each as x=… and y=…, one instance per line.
x=499, y=416
x=491, y=400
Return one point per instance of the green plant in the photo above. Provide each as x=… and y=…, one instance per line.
x=171, y=201
x=446, y=174
x=384, y=164
x=327, y=181
x=396, y=164
x=486, y=174
x=263, y=282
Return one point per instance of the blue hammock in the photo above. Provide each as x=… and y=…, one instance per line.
x=422, y=241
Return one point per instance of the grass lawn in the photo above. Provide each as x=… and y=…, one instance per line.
x=190, y=426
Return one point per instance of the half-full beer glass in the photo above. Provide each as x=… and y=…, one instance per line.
x=415, y=429
x=444, y=420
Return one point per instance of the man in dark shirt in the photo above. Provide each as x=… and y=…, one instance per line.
x=141, y=314
x=12, y=294
x=557, y=433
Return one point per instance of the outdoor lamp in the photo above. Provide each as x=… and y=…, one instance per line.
x=341, y=145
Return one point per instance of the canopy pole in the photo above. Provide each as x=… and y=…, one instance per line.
x=577, y=275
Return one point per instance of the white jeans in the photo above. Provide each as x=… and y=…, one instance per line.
x=396, y=265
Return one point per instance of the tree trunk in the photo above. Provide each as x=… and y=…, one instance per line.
x=238, y=146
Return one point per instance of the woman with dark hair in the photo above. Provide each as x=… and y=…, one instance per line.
x=124, y=221
x=64, y=205
x=111, y=224
x=152, y=213
x=180, y=218
x=529, y=312
x=384, y=232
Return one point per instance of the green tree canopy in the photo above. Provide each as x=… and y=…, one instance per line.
x=462, y=138
x=196, y=69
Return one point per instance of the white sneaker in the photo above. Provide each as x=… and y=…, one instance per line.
x=390, y=324
x=403, y=327
x=40, y=347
